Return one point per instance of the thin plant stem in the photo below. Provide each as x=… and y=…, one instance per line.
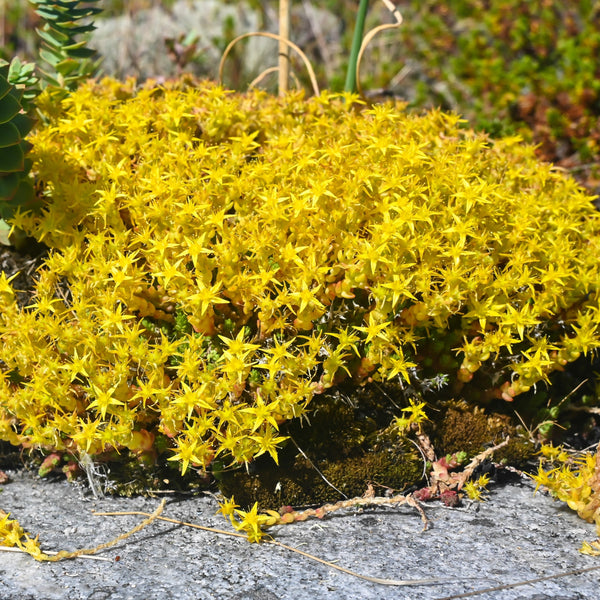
x=284, y=49
x=268, y=71
x=391, y=582
x=359, y=28
x=367, y=40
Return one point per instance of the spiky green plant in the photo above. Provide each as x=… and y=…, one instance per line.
x=22, y=75
x=67, y=60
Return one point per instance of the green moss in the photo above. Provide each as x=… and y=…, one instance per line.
x=463, y=427
x=347, y=441
x=300, y=483
x=513, y=66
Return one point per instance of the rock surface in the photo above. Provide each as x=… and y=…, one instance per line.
x=512, y=537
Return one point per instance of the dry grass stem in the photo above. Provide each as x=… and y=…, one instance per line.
x=399, y=499
x=509, y=586
x=284, y=49
x=270, y=70
x=378, y=580
x=63, y=554
x=371, y=34
x=50, y=553
x=311, y=73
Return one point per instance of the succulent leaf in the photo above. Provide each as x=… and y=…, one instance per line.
x=16, y=191
x=9, y=134
x=68, y=60
x=9, y=108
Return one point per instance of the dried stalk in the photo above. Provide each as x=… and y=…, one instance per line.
x=391, y=582
x=311, y=73
x=371, y=34
x=268, y=71
x=320, y=512
x=63, y=554
x=50, y=553
x=510, y=586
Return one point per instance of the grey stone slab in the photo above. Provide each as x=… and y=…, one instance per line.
x=514, y=536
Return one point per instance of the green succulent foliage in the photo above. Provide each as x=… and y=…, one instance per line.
x=22, y=75
x=67, y=60
x=16, y=189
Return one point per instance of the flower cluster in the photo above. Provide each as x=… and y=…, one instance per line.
x=12, y=535
x=250, y=522
x=476, y=488
x=217, y=259
x=575, y=480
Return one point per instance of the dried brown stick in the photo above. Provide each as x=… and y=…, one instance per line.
x=274, y=36
x=352, y=502
x=63, y=554
x=51, y=553
x=268, y=71
x=371, y=34
x=477, y=460
x=284, y=49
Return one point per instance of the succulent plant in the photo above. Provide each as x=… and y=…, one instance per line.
x=68, y=60
x=16, y=188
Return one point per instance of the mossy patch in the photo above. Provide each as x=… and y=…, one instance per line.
x=461, y=427
x=346, y=445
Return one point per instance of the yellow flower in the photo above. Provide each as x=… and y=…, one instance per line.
x=104, y=399
x=268, y=442
x=251, y=522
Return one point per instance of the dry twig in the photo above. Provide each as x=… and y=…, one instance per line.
x=311, y=73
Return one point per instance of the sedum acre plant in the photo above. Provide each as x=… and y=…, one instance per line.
x=576, y=481
x=218, y=259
